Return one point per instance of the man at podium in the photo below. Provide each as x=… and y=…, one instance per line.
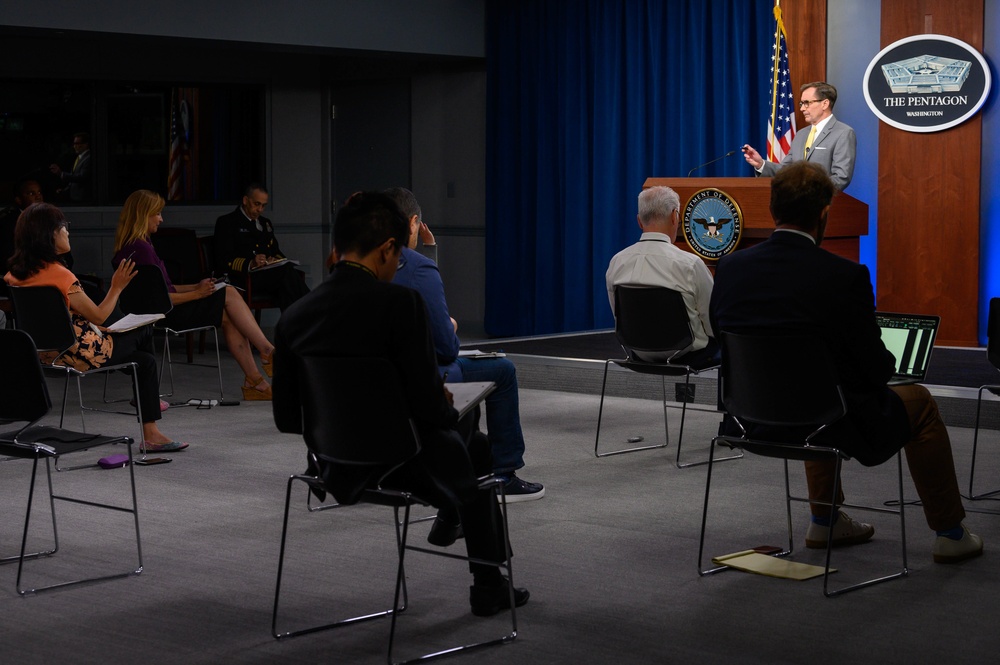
x=829, y=142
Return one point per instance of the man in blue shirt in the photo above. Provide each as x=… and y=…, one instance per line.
x=502, y=413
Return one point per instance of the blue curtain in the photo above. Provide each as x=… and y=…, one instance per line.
x=586, y=99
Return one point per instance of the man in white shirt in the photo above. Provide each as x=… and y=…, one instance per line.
x=656, y=261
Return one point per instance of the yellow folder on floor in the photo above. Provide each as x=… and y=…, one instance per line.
x=763, y=564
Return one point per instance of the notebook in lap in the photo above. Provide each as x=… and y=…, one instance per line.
x=910, y=339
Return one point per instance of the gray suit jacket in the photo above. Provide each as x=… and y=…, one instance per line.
x=834, y=149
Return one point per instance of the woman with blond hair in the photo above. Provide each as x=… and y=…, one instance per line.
x=195, y=304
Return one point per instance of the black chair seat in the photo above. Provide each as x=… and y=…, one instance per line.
x=653, y=321
x=27, y=400
x=762, y=384
x=42, y=314
x=342, y=398
x=147, y=294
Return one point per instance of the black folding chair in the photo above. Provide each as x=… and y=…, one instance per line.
x=336, y=394
x=42, y=314
x=764, y=382
x=993, y=355
x=653, y=320
x=147, y=294
x=26, y=400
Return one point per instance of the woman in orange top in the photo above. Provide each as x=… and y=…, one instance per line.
x=40, y=236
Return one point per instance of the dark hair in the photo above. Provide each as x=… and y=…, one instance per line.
x=22, y=183
x=366, y=221
x=34, y=239
x=823, y=91
x=83, y=136
x=406, y=201
x=252, y=186
x=799, y=193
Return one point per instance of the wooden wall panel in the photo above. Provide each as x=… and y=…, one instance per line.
x=805, y=26
x=928, y=192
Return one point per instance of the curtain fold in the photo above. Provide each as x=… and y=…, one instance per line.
x=585, y=100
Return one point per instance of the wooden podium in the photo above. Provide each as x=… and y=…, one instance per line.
x=848, y=216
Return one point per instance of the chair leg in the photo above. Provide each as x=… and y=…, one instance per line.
x=166, y=362
x=680, y=435
x=600, y=413
x=902, y=524
x=975, y=445
x=496, y=487
x=218, y=364
x=22, y=555
x=277, y=587
x=134, y=510
x=702, y=571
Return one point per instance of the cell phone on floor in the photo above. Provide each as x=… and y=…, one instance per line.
x=149, y=461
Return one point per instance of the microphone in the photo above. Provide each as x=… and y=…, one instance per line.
x=712, y=161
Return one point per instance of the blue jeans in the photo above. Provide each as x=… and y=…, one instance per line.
x=503, y=417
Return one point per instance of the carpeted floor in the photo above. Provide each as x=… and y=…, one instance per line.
x=609, y=556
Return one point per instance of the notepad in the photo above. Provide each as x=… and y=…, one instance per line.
x=476, y=353
x=763, y=564
x=274, y=264
x=467, y=395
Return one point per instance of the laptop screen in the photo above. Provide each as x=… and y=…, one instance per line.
x=910, y=339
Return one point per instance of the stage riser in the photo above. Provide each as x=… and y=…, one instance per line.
x=957, y=405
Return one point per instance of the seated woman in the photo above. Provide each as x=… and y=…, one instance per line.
x=195, y=304
x=41, y=235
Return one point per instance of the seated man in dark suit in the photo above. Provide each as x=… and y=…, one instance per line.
x=788, y=285
x=358, y=312
x=244, y=241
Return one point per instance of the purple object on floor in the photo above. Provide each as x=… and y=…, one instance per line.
x=113, y=461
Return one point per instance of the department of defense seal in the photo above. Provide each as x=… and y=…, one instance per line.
x=713, y=223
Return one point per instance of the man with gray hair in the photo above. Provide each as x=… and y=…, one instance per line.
x=656, y=261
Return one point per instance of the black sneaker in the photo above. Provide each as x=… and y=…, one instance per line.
x=521, y=490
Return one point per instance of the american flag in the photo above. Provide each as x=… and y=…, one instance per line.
x=781, y=124
x=180, y=157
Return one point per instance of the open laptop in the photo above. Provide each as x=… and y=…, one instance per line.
x=910, y=339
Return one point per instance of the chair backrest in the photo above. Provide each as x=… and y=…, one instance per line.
x=178, y=249
x=651, y=319
x=41, y=312
x=206, y=247
x=355, y=412
x=993, y=333
x=146, y=293
x=785, y=381
x=26, y=397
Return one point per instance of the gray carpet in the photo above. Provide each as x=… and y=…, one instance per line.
x=609, y=556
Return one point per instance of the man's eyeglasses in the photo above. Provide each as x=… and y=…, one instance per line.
x=807, y=102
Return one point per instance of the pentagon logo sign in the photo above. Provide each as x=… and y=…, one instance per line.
x=926, y=83
x=712, y=223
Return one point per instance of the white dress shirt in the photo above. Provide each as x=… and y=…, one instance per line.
x=655, y=261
